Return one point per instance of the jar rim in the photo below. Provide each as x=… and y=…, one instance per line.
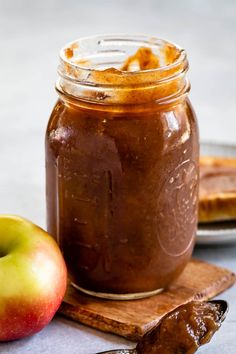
x=142, y=40
x=91, y=68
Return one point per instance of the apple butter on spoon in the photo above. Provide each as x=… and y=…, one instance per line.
x=183, y=330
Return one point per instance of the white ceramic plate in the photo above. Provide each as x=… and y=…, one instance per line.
x=221, y=232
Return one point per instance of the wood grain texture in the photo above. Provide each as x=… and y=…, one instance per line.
x=131, y=319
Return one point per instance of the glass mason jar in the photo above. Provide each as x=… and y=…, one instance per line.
x=122, y=165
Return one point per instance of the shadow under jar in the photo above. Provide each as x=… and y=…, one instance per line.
x=122, y=165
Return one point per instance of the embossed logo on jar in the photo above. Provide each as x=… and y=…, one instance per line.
x=177, y=209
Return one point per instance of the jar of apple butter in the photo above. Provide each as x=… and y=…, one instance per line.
x=122, y=165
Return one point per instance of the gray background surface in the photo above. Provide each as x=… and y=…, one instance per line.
x=31, y=34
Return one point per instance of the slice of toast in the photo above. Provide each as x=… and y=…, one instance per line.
x=217, y=195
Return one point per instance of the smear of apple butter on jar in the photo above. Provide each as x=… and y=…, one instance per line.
x=145, y=59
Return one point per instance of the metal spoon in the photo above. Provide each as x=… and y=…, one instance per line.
x=223, y=305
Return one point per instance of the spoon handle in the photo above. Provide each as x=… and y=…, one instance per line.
x=120, y=351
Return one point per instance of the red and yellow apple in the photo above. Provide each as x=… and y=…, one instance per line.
x=33, y=278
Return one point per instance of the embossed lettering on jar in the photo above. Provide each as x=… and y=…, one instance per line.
x=122, y=165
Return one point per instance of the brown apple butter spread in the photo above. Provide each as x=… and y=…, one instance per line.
x=217, y=179
x=217, y=195
x=184, y=330
x=122, y=164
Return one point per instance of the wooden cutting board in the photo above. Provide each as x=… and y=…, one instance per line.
x=131, y=319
